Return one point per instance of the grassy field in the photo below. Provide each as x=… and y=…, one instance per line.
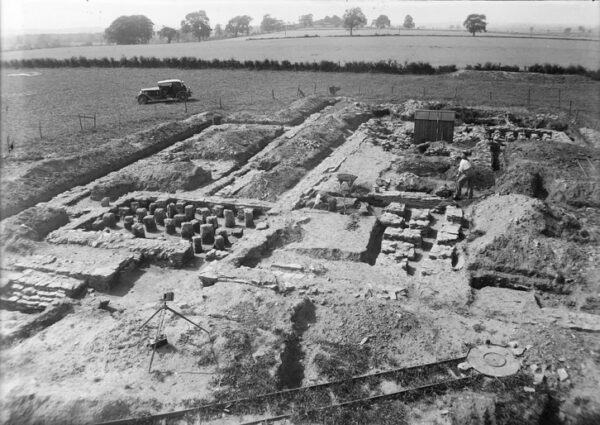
x=443, y=49
x=51, y=99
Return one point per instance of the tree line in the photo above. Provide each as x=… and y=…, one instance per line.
x=139, y=29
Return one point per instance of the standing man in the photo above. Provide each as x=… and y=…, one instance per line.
x=464, y=177
x=495, y=148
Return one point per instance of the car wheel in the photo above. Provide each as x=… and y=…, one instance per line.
x=142, y=100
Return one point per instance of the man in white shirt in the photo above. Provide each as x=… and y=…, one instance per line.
x=464, y=177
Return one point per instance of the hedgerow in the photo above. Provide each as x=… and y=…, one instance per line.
x=383, y=67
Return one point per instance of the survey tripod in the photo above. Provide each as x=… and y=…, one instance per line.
x=160, y=339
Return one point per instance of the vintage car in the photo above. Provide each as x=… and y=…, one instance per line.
x=166, y=90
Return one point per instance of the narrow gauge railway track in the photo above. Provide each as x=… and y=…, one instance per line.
x=407, y=382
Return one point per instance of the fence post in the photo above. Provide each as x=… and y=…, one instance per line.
x=529, y=97
x=40, y=128
x=558, y=98
x=185, y=104
x=80, y=122
x=94, y=121
x=570, y=106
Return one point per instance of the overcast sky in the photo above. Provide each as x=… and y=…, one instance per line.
x=26, y=16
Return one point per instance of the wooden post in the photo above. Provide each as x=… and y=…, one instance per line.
x=570, y=106
x=185, y=104
x=220, y=103
x=455, y=92
x=558, y=98
x=392, y=89
x=80, y=122
x=490, y=96
x=40, y=128
x=94, y=121
x=529, y=97
x=576, y=114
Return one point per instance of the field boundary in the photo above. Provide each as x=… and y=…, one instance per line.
x=384, y=67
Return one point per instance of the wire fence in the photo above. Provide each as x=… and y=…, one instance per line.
x=89, y=125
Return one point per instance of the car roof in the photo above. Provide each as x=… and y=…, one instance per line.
x=165, y=82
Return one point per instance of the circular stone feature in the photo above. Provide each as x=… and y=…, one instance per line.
x=493, y=360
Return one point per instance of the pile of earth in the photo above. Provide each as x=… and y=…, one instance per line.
x=294, y=114
x=282, y=167
x=32, y=224
x=152, y=175
x=560, y=172
x=521, y=242
x=237, y=142
x=53, y=176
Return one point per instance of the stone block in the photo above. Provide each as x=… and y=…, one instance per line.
x=218, y=210
x=388, y=247
x=396, y=208
x=391, y=220
x=212, y=219
x=207, y=233
x=105, y=202
x=204, y=213
x=180, y=207
x=179, y=218
x=187, y=230
x=445, y=238
x=171, y=210
x=249, y=217
x=229, y=218
x=451, y=228
x=197, y=244
x=454, y=214
x=441, y=252
x=405, y=235
x=138, y=230
x=123, y=211
x=141, y=213
x=159, y=216
x=170, y=226
x=190, y=211
x=152, y=207
x=240, y=214
x=237, y=232
x=149, y=223
x=418, y=224
x=196, y=225
x=134, y=205
x=263, y=225
x=420, y=214
x=128, y=222
x=219, y=243
x=332, y=205
x=109, y=220
x=404, y=250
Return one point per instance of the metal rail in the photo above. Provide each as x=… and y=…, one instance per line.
x=227, y=404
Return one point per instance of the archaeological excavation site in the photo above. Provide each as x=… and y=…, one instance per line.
x=309, y=266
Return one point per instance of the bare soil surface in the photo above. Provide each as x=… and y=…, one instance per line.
x=296, y=276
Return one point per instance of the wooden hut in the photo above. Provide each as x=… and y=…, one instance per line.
x=431, y=126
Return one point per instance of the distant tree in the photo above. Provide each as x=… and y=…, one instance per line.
x=306, y=20
x=336, y=21
x=218, y=31
x=581, y=28
x=408, y=22
x=475, y=23
x=382, y=21
x=168, y=33
x=270, y=24
x=567, y=31
x=238, y=24
x=354, y=18
x=197, y=24
x=135, y=29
